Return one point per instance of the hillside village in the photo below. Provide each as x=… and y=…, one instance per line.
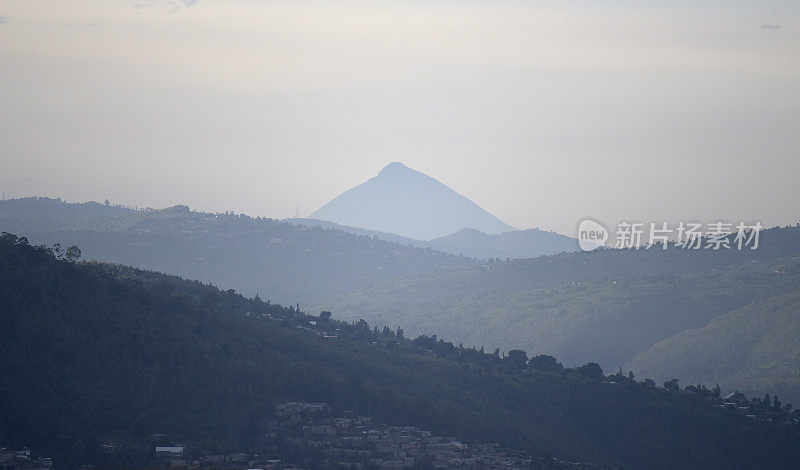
x=304, y=435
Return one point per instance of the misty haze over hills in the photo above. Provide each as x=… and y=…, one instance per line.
x=583, y=256
x=278, y=260
x=517, y=244
x=706, y=316
x=606, y=307
x=658, y=313
x=409, y=203
x=289, y=261
x=408, y=207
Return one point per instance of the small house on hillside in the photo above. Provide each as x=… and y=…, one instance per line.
x=737, y=399
x=171, y=452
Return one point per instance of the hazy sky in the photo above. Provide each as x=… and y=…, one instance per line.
x=541, y=112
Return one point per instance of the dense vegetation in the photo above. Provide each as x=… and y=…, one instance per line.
x=92, y=350
x=606, y=320
x=752, y=349
x=280, y=261
x=607, y=306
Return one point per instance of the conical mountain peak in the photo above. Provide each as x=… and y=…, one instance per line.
x=396, y=168
x=407, y=202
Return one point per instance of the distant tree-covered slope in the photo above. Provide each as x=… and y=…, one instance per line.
x=42, y=207
x=608, y=321
x=755, y=349
x=516, y=244
x=92, y=350
x=607, y=306
x=278, y=260
x=390, y=237
x=545, y=271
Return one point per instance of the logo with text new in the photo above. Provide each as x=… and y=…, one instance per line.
x=591, y=235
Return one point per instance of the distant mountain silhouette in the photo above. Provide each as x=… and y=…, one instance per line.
x=389, y=237
x=408, y=203
x=280, y=261
x=44, y=207
x=518, y=244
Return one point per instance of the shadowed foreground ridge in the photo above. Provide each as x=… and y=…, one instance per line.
x=130, y=353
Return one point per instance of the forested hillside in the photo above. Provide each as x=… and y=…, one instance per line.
x=547, y=271
x=279, y=261
x=608, y=321
x=516, y=244
x=753, y=349
x=390, y=237
x=92, y=350
x=603, y=306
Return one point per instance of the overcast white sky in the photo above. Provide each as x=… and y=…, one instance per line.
x=542, y=112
